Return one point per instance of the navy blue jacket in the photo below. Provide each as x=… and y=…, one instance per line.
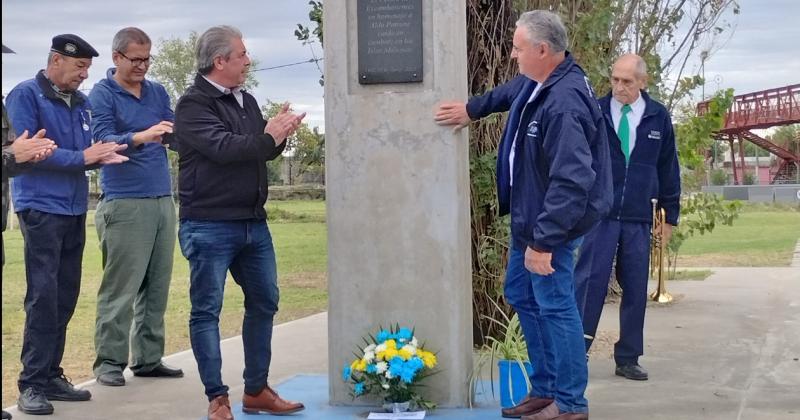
x=562, y=174
x=117, y=115
x=652, y=170
x=58, y=184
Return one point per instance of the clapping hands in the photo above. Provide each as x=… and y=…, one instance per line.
x=284, y=124
x=104, y=153
x=153, y=134
x=33, y=149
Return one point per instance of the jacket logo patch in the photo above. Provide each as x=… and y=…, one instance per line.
x=654, y=134
x=533, y=129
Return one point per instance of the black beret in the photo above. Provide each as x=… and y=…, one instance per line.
x=7, y=50
x=72, y=46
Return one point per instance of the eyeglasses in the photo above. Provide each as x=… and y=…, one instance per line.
x=136, y=62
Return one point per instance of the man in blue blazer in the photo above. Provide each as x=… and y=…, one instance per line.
x=644, y=166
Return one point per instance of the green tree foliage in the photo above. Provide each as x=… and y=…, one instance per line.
x=694, y=132
x=666, y=33
x=306, y=34
x=788, y=137
x=173, y=65
x=719, y=177
x=306, y=149
x=310, y=36
x=751, y=149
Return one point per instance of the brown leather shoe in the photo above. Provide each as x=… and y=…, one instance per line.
x=573, y=416
x=552, y=412
x=529, y=405
x=220, y=408
x=267, y=401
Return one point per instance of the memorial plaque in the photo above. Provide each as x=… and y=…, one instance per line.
x=389, y=41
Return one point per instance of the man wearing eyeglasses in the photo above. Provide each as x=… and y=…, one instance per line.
x=135, y=218
x=644, y=165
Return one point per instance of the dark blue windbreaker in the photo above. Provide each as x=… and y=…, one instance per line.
x=562, y=174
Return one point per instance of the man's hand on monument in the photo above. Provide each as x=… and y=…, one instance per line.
x=283, y=124
x=538, y=262
x=453, y=113
x=33, y=149
x=154, y=133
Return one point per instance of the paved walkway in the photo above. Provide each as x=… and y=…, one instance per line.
x=728, y=348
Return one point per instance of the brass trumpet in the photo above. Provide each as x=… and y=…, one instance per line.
x=658, y=253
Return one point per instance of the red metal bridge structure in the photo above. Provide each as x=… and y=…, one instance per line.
x=759, y=110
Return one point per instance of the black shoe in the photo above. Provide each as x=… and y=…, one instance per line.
x=61, y=389
x=6, y=415
x=33, y=401
x=632, y=371
x=113, y=378
x=161, y=371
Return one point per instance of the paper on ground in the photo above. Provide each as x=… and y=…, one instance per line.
x=408, y=415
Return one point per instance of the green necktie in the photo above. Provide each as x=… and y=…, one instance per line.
x=624, y=132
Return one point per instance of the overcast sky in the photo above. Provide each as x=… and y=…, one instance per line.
x=764, y=51
x=267, y=25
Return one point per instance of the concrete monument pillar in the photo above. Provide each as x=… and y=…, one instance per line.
x=397, y=185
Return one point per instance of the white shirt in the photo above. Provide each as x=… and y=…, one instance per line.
x=514, y=143
x=237, y=91
x=634, y=118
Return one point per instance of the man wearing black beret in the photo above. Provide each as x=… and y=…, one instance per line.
x=17, y=153
x=51, y=200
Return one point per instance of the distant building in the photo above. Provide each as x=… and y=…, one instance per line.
x=767, y=167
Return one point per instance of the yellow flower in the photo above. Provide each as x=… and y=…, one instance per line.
x=361, y=365
x=428, y=358
x=354, y=364
x=390, y=344
x=390, y=353
x=406, y=352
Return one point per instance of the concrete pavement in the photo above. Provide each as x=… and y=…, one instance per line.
x=728, y=348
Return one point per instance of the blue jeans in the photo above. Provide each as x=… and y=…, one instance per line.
x=245, y=248
x=552, y=327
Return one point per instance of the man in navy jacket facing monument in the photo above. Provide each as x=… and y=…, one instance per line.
x=553, y=177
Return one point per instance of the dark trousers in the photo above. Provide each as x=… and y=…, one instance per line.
x=630, y=243
x=53, y=254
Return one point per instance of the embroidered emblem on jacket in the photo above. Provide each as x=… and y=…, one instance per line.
x=533, y=129
x=654, y=134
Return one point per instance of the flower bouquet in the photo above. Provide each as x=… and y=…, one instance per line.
x=391, y=365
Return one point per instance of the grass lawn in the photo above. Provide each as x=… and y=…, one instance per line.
x=299, y=234
x=760, y=236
